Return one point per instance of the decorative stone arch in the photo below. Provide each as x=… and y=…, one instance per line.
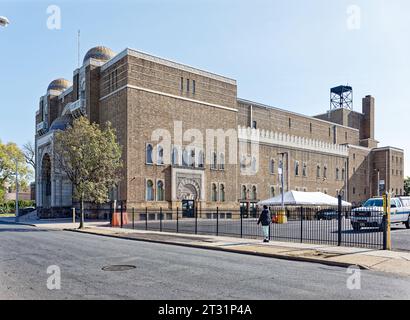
x=188, y=189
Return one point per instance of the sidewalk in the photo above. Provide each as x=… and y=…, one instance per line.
x=377, y=260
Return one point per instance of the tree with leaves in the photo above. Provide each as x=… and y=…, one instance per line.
x=91, y=159
x=10, y=153
x=407, y=186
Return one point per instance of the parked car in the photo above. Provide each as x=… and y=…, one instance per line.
x=327, y=214
x=371, y=213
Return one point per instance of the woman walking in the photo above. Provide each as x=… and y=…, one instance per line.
x=265, y=220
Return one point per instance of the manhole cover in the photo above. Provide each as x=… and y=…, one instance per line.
x=118, y=268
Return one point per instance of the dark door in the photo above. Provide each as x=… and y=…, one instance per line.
x=188, y=208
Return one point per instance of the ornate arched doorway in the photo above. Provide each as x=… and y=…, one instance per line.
x=188, y=192
x=46, y=181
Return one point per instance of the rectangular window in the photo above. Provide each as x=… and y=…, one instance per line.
x=187, y=85
x=193, y=86
x=310, y=128
x=346, y=136
x=290, y=123
x=182, y=84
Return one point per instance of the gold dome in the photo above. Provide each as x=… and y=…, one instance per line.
x=59, y=85
x=99, y=53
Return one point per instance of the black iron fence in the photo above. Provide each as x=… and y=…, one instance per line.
x=316, y=225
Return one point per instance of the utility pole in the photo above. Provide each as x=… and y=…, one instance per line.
x=17, y=192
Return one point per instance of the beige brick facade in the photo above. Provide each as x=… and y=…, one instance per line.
x=139, y=94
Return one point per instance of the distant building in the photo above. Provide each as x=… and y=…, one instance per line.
x=335, y=153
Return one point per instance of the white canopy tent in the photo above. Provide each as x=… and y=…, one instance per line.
x=296, y=198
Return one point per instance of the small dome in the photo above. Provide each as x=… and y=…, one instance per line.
x=61, y=123
x=59, y=85
x=99, y=53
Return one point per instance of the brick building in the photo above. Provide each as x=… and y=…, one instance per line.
x=188, y=139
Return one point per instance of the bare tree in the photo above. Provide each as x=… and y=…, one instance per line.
x=30, y=154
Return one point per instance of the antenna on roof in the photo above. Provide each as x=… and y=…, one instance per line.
x=78, y=49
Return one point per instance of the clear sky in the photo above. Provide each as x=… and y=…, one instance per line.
x=284, y=53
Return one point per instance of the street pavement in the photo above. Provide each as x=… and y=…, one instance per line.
x=167, y=272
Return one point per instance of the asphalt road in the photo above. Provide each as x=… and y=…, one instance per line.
x=167, y=272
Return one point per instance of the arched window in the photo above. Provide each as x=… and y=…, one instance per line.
x=160, y=191
x=185, y=156
x=304, y=169
x=318, y=171
x=222, y=193
x=214, y=193
x=254, y=193
x=192, y=159
x=337, y=173
x=243, y=162
x=221, y=161
x=254, y=124
x=272, y=166
x=254, y=167
x=149, y=154
x=150, y=191
x=160, y=156
x=214, y=161
x=296, y=168
x=175, y=156
x=272, y=192
x=343, y=174
x=325, y=172
x=200, y=159
x=243, y=193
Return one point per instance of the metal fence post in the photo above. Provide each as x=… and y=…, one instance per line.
x=339, y=220
x=241, y=223
x=301, y=224
x=146, y=218
x=217, y=221
x=122, y=211
x=133, y=218
x=160, y=219
x=196, y=220
x=177, y=219
x=384, y=221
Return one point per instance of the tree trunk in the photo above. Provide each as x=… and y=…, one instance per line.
x=82, y=213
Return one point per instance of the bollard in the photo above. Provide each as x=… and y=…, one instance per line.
x=339, y=220
x=73, y=210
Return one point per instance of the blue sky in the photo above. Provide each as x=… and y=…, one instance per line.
x=283, y=53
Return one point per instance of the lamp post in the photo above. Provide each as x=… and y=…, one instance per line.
x=378, y=181
x=282, y=216
x=17, y=191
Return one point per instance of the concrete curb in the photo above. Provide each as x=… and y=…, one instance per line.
x=18, y=223
x=224, y=249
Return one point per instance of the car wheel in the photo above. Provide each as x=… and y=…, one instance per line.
x=407, y=224
x=356, y=227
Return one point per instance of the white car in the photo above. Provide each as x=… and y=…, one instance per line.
x=371, y=213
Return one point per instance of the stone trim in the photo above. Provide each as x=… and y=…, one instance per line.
x=166, y=62
x=128, y=86
x=290, y=141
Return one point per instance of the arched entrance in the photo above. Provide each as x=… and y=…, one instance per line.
x=46, y=181
x=188, y=194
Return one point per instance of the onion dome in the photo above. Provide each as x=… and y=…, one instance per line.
x=59, y=85
x=99, y=53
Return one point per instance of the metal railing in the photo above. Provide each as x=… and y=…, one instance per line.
x=316, y=225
